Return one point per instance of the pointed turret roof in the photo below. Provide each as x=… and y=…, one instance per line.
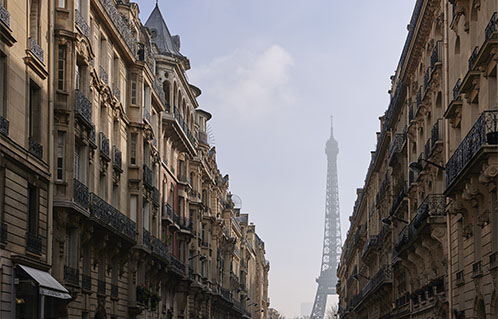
x=166, y=44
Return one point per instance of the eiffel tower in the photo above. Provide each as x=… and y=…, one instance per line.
x=332, y=235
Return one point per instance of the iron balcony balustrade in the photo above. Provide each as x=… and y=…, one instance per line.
x=104, y=147
x=71, y=276
x=117, y=162
x=490, y=27
x=456, y=90
x=92, y=137
x=156, y=201
x=472, y=58
x=121, y=24
x=80, y=194
x=436, y=56
x=177, y=265
x=86, y=282
x=146, y=238
x=4, y=126
x=82, y=25
x=493, y=260
x=178, y=129
x=226, y=294
x=101, y=287
x=35, y=148
x=36, y=50
x=112, y=218
x=83, y=108
x=432, y=206
x=159, y=249
x=33, y=243
x=3, y=232
x=477, y=269
x=396, y=147
x=399, y=199
x=483, y=134
x=147, y=177
x=167, y=214
x=4, y=16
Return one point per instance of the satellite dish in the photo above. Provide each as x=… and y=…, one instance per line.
x=237, y=201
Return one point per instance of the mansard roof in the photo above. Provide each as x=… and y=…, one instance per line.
x=161, y=37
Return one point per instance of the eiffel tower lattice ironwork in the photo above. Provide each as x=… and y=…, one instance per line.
x=332, y=235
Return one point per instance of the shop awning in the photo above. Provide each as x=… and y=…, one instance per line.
x=48, y=285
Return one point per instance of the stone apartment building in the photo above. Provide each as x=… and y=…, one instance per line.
x=111, y=201
x=423, y=239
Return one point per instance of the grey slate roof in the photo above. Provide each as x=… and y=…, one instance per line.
x=166, y=44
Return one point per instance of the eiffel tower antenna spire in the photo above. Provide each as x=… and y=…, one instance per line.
x=332, y=240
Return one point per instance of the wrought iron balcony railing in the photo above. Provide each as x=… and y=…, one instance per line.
x=104, y=146
x=83, y=107
x=155, y=196
x=35, y=148
x=33, y=243
x=225, y=293
x=484, y=131
x=183, y=125
x=103, y=75
x=101, y=287
x=146, y=238
x=82, y=25
x=477, y=269
x=120, y=23
x=437, y=54
x=117, y=162
x=472, y=58
x=80, y=194
x=159, y=248
x=4, y=126
x=92, y=137
x=3, y=233
x=71, y=276
x=491, y=27
x=4, y=16
x=86, y=282
x=177, y=264
x=399, y=198
x=112, y=218
x=433, y=205
x=36, y=50
x=396, y=145
x=384, y=275
x=147, y=176
x=456, y=89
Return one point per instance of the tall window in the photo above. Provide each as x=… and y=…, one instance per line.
x=34, y=18
x=133, y=149
x=133, y=207
x=60, y=156
x=32, y=209
x=77, y=79
x=134, y=89
x=3, y=83
x=34, y=111
x=61, y=3
x=61, y=68
x=79, y=162
x=145, y=214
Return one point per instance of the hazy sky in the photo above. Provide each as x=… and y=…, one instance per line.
x=272, y=73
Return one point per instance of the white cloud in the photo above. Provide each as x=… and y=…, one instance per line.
x=246, y=83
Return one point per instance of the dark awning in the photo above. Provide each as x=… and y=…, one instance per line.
x=48, y=285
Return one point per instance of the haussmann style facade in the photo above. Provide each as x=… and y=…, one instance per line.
x=111, y=201
x=423, y=239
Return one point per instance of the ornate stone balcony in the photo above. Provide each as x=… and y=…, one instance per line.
x=71, y=276
x=483, y=133
x=83, y=107
x=4, y=126
x=82, y=25
x=80, y=194
x=112, y=218
x=432, y=206
x=396, y=147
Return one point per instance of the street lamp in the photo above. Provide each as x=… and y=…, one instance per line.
x=417, y=167
x=387, y=220
x=202, y=258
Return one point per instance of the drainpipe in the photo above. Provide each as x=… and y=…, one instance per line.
x=50, y=91
x=446, y=151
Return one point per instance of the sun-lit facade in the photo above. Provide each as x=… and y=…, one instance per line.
x=423, y=239
x=112, y=203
